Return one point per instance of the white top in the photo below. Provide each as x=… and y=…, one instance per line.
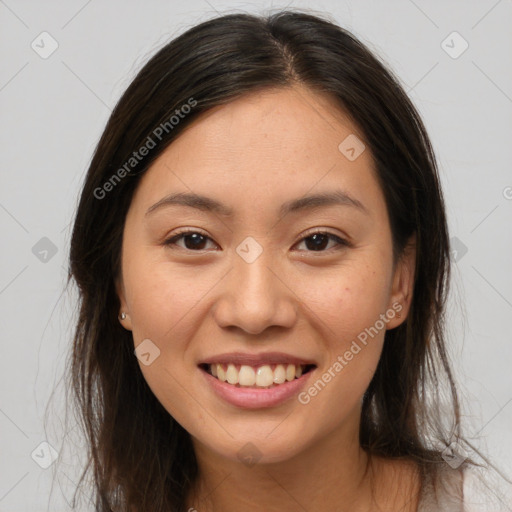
x=468, y=490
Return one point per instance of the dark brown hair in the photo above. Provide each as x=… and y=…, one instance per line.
x=212, y=64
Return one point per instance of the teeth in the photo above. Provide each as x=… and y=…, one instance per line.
x=232, y=374
x=279, y=374
x=247, y=376
x=262, y=376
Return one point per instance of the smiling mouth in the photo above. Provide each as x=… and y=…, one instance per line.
x=261, y=376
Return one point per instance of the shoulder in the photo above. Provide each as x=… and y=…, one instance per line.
x=465, y=489
x=486, y=490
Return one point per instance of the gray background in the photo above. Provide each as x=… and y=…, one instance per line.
x=54, y=109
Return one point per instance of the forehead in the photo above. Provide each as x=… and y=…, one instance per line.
x=267, y=147
x=274, y=120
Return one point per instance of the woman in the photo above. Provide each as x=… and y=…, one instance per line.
x=262, y=256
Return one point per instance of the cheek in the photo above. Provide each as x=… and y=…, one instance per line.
x=350, y=327
x=164, y=304
x=161, y=297
x=345, y=306
x=344, y=299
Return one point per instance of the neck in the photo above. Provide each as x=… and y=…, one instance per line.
x=332, y=474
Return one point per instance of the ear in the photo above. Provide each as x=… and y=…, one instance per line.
x=402, y=287
x=125, y=322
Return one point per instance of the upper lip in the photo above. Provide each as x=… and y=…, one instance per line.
x=257, y=359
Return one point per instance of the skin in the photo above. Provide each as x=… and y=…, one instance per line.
x=254, y=154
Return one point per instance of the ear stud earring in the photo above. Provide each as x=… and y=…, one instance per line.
x=122, y=316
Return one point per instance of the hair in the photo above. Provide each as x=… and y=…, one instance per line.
x=211, y=64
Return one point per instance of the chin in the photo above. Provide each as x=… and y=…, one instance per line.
x=251, y=449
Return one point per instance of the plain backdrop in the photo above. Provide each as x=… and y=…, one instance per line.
x=64, y=66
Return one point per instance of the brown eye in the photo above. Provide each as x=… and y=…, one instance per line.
x=317, y=242
x=193, y=240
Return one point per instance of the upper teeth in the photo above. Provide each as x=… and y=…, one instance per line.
x=261, y=376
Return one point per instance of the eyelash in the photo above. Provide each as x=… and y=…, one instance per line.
x=340, y=241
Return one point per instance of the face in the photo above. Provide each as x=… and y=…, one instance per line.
x=266, y=281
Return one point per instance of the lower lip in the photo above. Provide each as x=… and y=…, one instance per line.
x=256, y=398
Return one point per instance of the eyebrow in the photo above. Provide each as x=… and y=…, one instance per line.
x=207, y=204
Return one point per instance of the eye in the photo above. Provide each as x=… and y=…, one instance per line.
x=193, y=240
x=318, y=240
x=315, y=242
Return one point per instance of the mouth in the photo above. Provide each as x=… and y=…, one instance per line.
x=270, y=375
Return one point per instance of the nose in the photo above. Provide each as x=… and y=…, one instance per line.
x=255, y=296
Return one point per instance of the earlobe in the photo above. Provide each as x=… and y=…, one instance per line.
x=123, y=317
x=125, y=321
